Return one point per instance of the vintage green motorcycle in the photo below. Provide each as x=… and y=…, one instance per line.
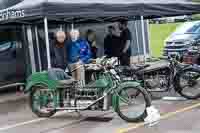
x=49, y=94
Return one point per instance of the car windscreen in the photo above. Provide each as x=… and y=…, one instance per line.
x=183, y=28
x=4, y=46
x=194, y=29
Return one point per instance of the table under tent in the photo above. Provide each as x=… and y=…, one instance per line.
x=30, y=14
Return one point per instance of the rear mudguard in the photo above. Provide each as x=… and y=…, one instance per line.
x=176, y=78
x=40, y=78
x=115, y=97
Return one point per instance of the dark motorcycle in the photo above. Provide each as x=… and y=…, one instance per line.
x=165, y=75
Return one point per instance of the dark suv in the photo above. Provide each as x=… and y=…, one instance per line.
x=180, y=41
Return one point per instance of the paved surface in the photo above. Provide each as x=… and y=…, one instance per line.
x=16, y=117
x=186, y=122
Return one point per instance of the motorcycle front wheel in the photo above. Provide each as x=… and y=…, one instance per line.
x=188, y=83
x=132, y=104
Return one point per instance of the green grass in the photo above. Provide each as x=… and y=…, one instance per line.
x=196, y=0
x=158, y=33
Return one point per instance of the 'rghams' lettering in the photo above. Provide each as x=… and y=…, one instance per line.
x=9, y=13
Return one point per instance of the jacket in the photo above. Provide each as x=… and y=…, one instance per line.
x=79, y=50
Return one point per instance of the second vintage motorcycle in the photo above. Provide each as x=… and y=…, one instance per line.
x=164, y=75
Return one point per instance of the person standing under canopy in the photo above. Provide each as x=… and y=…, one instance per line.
x=125, y=43
x=59, y=50
x=112, y=43
x=78, y=49
x=91, y=38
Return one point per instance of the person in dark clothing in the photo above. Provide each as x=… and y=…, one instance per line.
x=59, y=49
x=91, y=38
x=111, y=43
x=125, y=42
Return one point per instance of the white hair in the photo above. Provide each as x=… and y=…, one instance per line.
x=75, y=34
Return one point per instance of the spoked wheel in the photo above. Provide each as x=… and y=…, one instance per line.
x=40, y=100
x=189, y=84
x=133, y=102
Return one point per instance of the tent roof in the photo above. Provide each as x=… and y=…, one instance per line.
x=98, y=10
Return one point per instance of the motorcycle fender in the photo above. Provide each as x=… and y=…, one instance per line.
x=39, y=79
x=30, y=85
x=115, y=98
x=194, y=67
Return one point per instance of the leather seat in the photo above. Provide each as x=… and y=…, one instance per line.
x=59, y=75
x=142, y=66
x=134, y=68
x=66, y=82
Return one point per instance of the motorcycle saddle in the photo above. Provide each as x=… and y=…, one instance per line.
x=156, y=65
x=66, y=82
x=142, y=66
x=60, y=76
x=134, y=68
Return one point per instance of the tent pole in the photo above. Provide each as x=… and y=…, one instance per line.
x=137, y=42
x=47, y=42
x=38, y=48
x=72, y=26
x=149, y=42
x=31, y=49
x=61, y=27
x=143, y=38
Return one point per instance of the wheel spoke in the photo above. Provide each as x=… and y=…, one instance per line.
x=132, y=105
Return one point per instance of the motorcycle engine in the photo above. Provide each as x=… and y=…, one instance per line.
x=156, y=80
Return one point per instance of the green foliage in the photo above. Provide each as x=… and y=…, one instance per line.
x=196, y=0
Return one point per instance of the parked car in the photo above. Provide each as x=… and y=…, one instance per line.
x=13, y=69
x=172, y=19
x=180, y=41
x=180, y=18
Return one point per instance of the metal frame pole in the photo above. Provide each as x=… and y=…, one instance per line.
x=72, y=26
x=149, y=42
x=31, y=49
x=137, y=42
x=61, y=27
x=143, y=37
x=47, y=42
x=38, y=49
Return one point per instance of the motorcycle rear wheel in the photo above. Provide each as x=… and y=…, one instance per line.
x=38, y=106
x=123, y=108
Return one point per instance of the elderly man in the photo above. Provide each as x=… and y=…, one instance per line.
x=60, y=50
x=78, y=52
